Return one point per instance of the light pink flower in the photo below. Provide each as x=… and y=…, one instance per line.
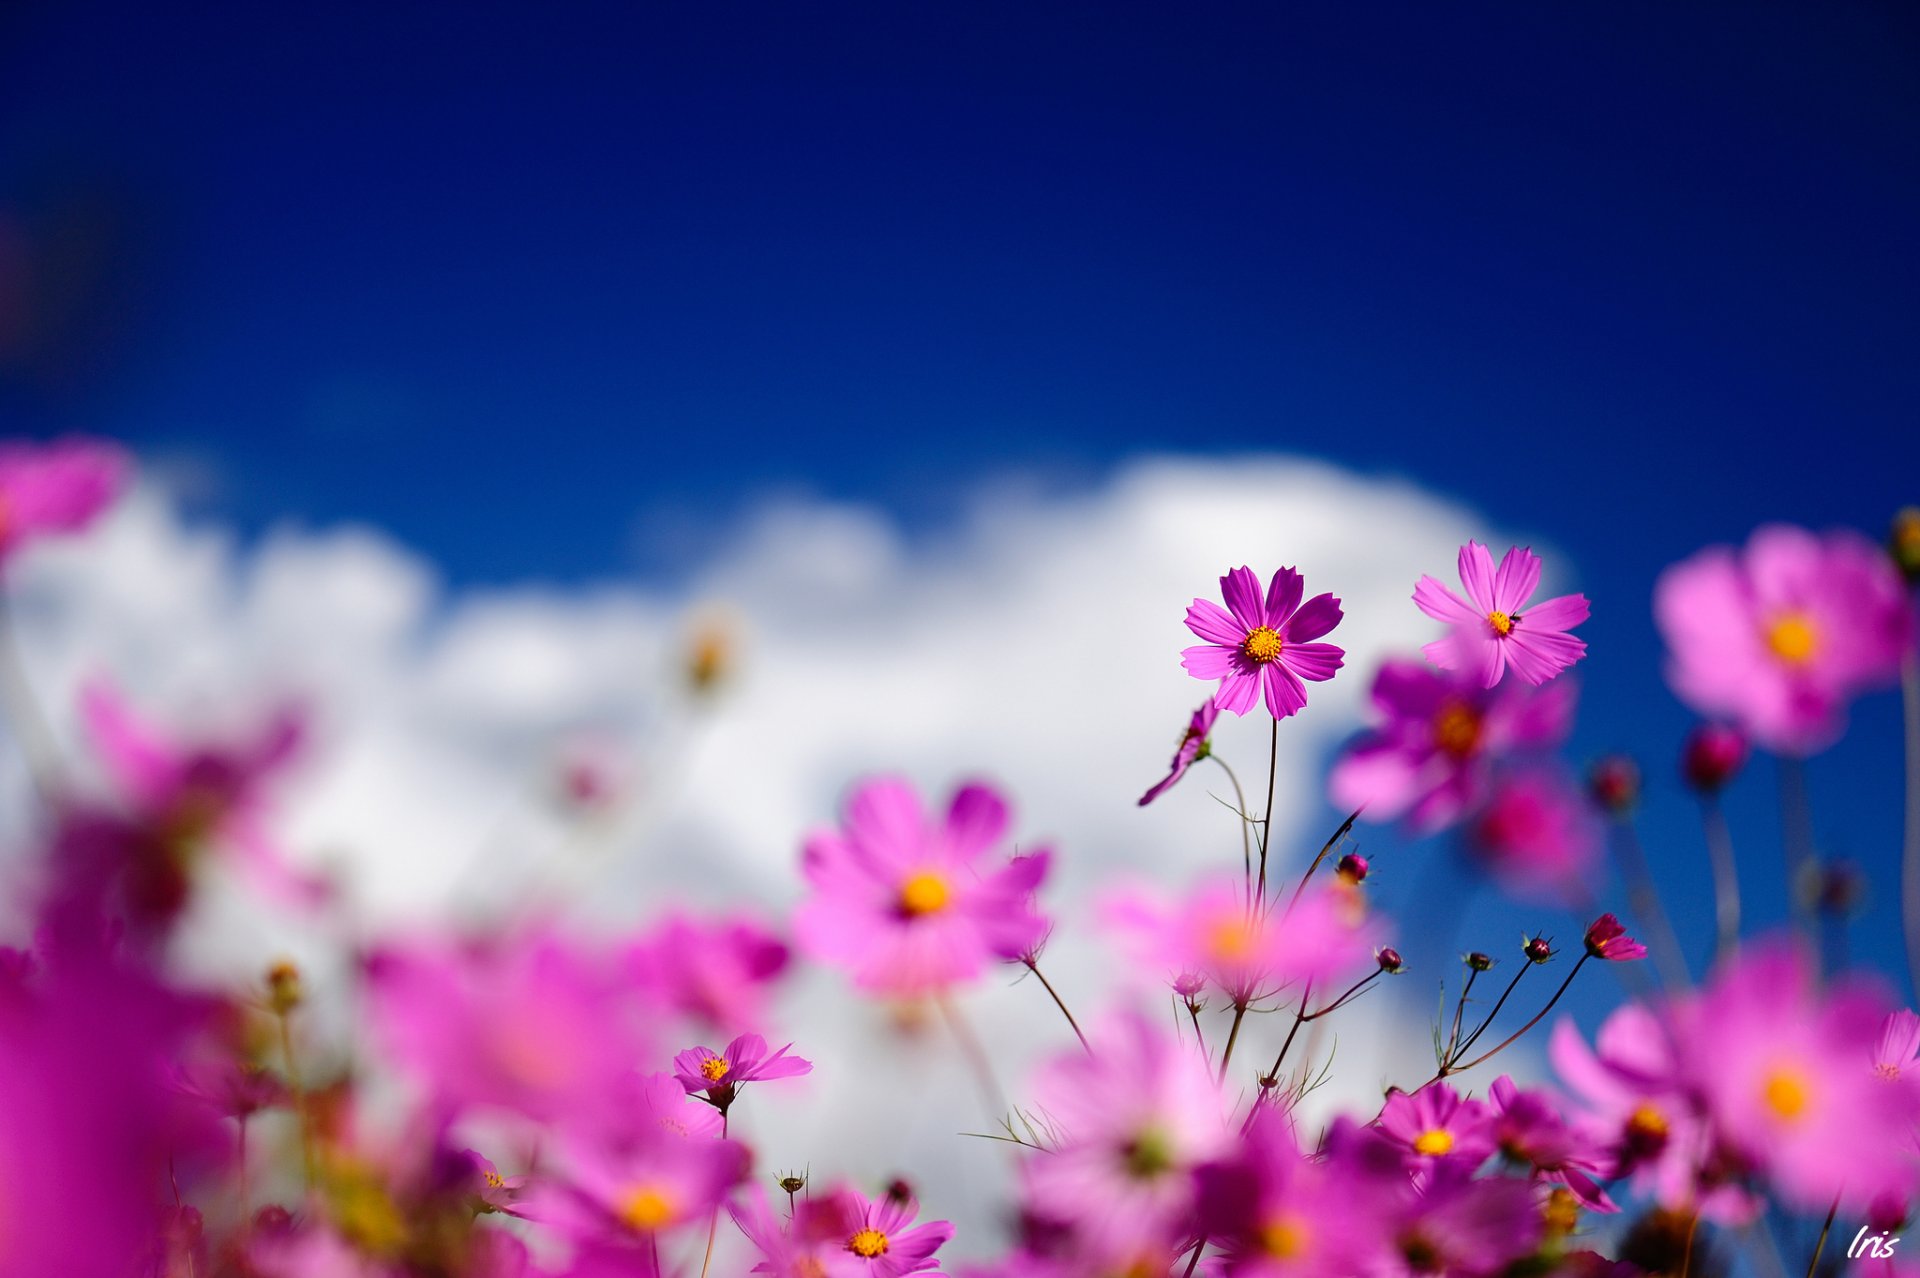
x=1194, y=746
x=1430, y=757
x=1535, y=837
x=1257, y=645
x=1500, y=627
x=717, y=971
x=1781, y=636
x=60, y=487
x=905, y=903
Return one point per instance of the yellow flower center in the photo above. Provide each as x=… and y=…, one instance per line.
x=924, y=893
x=1786, y=1093
x=1284, y=1238
x=494, y=1180
x=1792, y=638
x=1434, y=1142
x=1887, y=1070
x=1231, y=939
x=1648, y=1123
x=1262, y=644
x=1456, y=730
x=1501, y=622
x=868, y=1243
x=713, y=1069
x=646, y=1209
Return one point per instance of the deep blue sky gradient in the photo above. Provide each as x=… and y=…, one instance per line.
x=552, y=291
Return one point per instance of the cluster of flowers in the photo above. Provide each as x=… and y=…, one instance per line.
x=151, y=1128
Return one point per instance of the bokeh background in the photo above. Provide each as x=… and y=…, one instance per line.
x=481, y=355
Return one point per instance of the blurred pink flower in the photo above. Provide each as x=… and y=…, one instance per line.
x=1535, y=837
x=623, y=1197
x=1194, y=746
x=1499, y=628
x=1275, y=1213
x=1430, y=757
x=904, y=904
x=1781, y=636
x=55, y=488
x=717, y=971
x=1530, y=1128
x=1256, y=645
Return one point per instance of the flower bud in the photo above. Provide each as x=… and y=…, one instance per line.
x=1842, y=888
x=1614, y=783
x=792, y=1184
x=1712, y=756
x=283, y=987
x=1389, y=960
x=1480, y=962
x=1538, y=949
x=1352, y=868
x=898, y=1190
x=1904, y=542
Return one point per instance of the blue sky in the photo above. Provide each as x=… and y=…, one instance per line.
x=556, y=297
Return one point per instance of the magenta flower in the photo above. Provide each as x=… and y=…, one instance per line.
x=904, y=904
x=1275, y=1213
x=1897, y=1055
x=624, y=1197
x=1194, y=746
x=1135, y=1117
x=1530, y=1129
x=719, y=971
x=1438, y=737
x=1535, y=836
x=1607, y=939
x=1254, y=645
x=1437, y=1124
x=663, y=1103
x=717, y=1074
x=53, y=488
x=1781, y=636
x=1499, y=627
x=883, y=1241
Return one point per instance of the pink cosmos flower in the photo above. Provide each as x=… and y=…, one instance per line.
x=1135, y=1117
x=1194, y=746
x=884, y=1242
x=1437, y=1124
x=1247, y=954
x=1275, y=1213
x=1465, y=1227
x=1535, y=836
x=1781, y=636
x=662, y=1103
x=717, y=1074
x=1897, y=1055
x=1607, y=939
x=717, y=971
x=903, y=902
x=1254, y=645
x=623, y=1197
x=191, y=797
x=1530, y=1129
x=1432, y=754
x=1499, y=627
x=53, y=488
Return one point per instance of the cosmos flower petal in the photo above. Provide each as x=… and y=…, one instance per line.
x=1241, y=590
x=1440, y=603
x=1517, y=579
x=1283, y=597
x=1476, y=576
x=1314, y=618
x=1315, y=661
x=1211, y=622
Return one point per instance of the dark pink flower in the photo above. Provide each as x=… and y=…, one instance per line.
x=746, y=1060
x=1500, y=627
x=1779, y=637
x=1714, y=753
x=1437, y=1124
x=1530, y=1129
x=1194, y=746
x=1607, y=939
x=905, y=904
x=1275, y=1213
x=55, y=488
x=1255, y=646
x=1430, y=756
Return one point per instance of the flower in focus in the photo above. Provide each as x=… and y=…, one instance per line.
x=718, y=971
x=1607, y=939
x=884, y=1242
x=903, y=903
x=1135, y=1117
x=1779, y=637
x=1430, y=756
x=1255, y=646
x=746, y=1060
x=1437, y=1123
x=1499, y=627
x=1194, y=746
x=55, y=488
x=1534, y=836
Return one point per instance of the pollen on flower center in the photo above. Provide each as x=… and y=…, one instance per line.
x=1786, y=1093
x=646, y=1208
x=1456, y=730
x=1262, y=644
x=1231, y=939
x=1501, y=622
x=868, y=1243
x=714, y=1068
x=1434, y=1142
x=1792, y=638
x=494, y=1180
x=1284, y=1238
x=924, y=893
x=1148, y=1154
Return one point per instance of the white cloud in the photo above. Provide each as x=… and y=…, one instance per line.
x=1036, y=643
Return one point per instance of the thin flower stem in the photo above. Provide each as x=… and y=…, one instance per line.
x=1514, y=1037
x=713, y=1221
x=1668, y=960
x=299, y=1096
x=1325, y=848
x=1034, y=967
x=1459, y=1010
x=1821, y=1245
x=1299, y=1019
x=1686, y=1259
x=1910, y=860
x=1353, y=992
x=1246, y=818
x=1726, y=881
x=1197, y=1249
x=1266, y=826
x=1796, y=838
x=1193, y=1010
x=1233, y=1036
x=1482, y=1027
x=974, y=1054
